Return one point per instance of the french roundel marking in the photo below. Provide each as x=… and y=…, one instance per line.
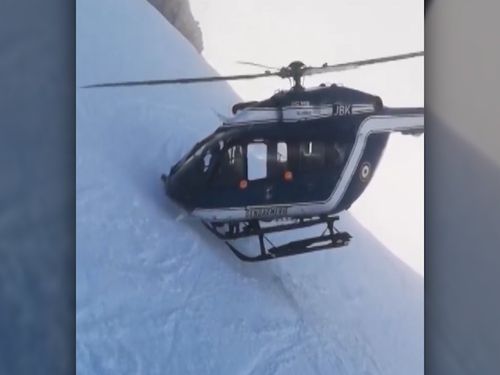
x=365, y=171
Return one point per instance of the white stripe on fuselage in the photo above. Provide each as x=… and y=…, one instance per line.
x=371, y=125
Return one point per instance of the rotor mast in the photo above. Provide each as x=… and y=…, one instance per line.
x=295, y=71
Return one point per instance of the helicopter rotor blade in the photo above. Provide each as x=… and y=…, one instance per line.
x=285, y=72
x=356, y=64
x=182, y=80
x=257, y=65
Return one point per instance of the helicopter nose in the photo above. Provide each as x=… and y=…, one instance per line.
x=164, y=178
x=167, y=185
x=176, y=191
x=175, y=206
x=169, y=190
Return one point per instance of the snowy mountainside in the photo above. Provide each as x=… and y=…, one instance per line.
x=178, y=13
x=156, y=295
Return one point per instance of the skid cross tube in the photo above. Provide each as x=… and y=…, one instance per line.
x=329, y=239
x=253, y=227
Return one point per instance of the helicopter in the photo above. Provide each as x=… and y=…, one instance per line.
x=294, y=160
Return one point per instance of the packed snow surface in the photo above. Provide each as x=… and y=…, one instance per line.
x=156, y=295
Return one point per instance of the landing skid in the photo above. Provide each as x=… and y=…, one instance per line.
x=329, y=239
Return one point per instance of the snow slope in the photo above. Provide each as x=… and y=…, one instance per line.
x=160, y=296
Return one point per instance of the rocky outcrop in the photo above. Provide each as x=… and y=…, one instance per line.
x=178, y=13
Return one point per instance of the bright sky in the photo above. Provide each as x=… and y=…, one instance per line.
x=316, y=31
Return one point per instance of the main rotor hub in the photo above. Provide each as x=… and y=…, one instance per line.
x=296, y=66
x=295, y=70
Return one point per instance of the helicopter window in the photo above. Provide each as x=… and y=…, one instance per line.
x=232, y=168
x=282, y=155
x=234, y=155
x=277, y=159
x=312, y=155
x=308, y=151
x=257, y=161
x=340, y=151
x=206, y=161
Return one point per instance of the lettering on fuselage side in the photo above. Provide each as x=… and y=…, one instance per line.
x=300, y=103
x=296, y=113
x=342, y=110
x=266, y=212
x=352, y=109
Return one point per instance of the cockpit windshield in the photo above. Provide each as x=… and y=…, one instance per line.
x=202, y=152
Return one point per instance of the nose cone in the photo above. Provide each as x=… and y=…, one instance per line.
x=164, y=178
x=168, y=186
x=175, y=192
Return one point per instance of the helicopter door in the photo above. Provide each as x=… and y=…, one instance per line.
x=261, y=189
x=277, y=159
x=271, y=180
x=242, y=176
x=312, y=156
x=309, y=162
x=231, y=170
x=228, y=185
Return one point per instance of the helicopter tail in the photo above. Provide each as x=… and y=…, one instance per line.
x=405, y=120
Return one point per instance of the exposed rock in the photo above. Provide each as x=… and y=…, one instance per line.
x=178, y=13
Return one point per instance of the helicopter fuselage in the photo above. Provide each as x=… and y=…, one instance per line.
x=299, y=154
